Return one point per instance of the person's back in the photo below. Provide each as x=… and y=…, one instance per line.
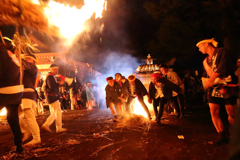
x=11, y=92
x=9, y=76
x=51, y=89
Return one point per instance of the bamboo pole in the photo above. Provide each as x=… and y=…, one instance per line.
x=2, y=38
x=19, y=53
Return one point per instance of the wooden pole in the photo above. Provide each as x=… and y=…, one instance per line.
x=19, y=53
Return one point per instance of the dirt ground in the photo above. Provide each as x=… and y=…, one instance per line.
x=93, y=135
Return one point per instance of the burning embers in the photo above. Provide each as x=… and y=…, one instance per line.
x=72, y=21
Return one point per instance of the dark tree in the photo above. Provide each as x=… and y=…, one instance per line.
x=181, y=24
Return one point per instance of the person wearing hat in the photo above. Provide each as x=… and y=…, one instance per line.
x=51, y=88
x=11, y=92
x=218, y=65
x=27, y=117
x=160, y=92
x=135, y=89
x=113, y=97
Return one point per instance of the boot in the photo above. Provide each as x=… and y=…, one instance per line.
x=222, y=139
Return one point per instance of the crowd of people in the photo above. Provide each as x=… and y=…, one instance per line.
x=165, y=87
x=219, y=81
x=84, y=96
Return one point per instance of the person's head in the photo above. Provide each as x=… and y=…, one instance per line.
x=110, y=81
x=54, y=69
x=131, y=79
x=118, y=76
x=89, y=84
x=123, y=79
x=154, y=77
x=238, y=63
x=164, y=69
x=30, y=58
x=206, y=45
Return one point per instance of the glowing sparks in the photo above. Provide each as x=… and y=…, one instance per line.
x=3, y=112
x=70, y=20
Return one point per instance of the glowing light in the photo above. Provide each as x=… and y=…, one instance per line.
x=138, y=109
x=3, y=112
x=70, y=20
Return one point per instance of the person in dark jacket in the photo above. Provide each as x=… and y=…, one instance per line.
x=64, y=96
x=135, y=88
x=11, y=92
x=28, y=122
x=160, y=92
x=113, y=97
x=51, y=88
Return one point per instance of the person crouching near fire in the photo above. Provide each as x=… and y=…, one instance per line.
x=51, y=88
x=135, y=89
x=27, y=117
x=160, y=92
x=118, y=78
x=113, y=97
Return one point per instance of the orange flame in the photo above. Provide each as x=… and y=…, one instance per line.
x=3, y=112
x=138, y=109
x=70, y=20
